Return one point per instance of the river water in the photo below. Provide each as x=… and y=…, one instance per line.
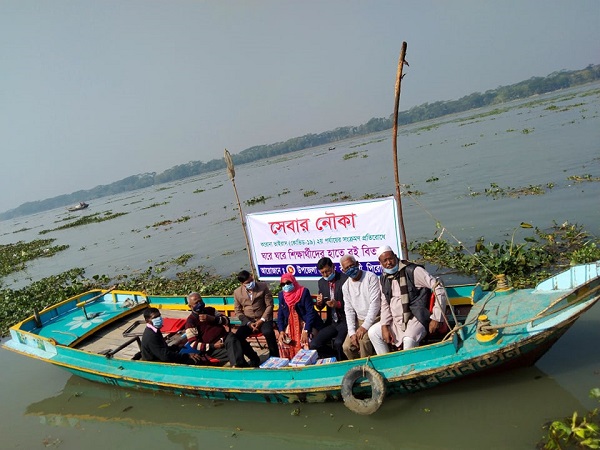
x=541, y=141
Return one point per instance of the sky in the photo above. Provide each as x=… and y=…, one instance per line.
x=92, y=92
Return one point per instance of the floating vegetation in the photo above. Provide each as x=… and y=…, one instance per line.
x=21, y=230
x=374, y=141
x=527, y=130
x=495, y=191
x=14, y=256
x=169, y=222
x=575, y=431
x=432, y=179
x=372, y=196
x=469, y=144
x=197, y=191
x=309, y=193
x=583, y=178
x=85, y=220
x=284, y=192
x=255, y=200
x=427, y=128
x=165, y=188
x=355, y=155
x=154, y=205
x=217, y=186
x=526, y=264
x=179, y=261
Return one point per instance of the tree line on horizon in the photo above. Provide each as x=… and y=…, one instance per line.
x=533, y=86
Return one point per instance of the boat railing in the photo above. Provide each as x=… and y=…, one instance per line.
x=110, y=353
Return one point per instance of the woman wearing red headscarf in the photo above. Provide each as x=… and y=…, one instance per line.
x=296, y=317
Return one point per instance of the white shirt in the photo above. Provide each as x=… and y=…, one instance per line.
x=362, y=300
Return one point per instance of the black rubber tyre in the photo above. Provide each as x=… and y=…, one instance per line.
x=363, y=406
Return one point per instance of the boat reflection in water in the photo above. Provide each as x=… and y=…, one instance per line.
x=464, y=414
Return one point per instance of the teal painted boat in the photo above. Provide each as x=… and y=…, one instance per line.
x=90, y=335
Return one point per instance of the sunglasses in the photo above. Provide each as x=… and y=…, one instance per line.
x=287, y=283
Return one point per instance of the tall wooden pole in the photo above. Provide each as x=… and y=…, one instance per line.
x=401, y=63
x=231, y=173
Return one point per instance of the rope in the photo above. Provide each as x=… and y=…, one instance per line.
x=438, y=223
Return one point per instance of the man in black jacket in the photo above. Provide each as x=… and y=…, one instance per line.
x=330, y=295
x=154, y=346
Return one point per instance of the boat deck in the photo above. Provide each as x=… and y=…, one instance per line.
x=109, y=339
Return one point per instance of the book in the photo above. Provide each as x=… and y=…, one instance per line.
x=304, y=358
x=326, y=360
x=275, y=363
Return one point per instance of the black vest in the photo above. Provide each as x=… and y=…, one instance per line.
x=418, y=297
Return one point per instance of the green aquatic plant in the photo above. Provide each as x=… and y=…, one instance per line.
x=575, y=431
x=13, y=257
x=85, y=220
x=525, y=263
x=154, y=205
x=169, y=222
x=583, y=178
x=309, y=193
x=255, y=200
x=495, y=191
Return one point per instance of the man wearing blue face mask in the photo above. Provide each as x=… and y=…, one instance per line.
x=405, y=303
x=154, y=346
x=206, y=334
x=362, y=302
x=253, y=303
x=331, y=295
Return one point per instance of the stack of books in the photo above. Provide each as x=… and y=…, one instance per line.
x=326, y=360
x=275, y=363
x=304, y=358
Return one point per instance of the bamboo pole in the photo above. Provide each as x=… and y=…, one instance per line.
x=231, y=173
x=401, y=62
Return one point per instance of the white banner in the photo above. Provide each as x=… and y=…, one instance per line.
x=293, y=240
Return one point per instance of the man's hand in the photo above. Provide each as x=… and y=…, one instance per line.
x=331, y=303
x=255, y=326
x=360, y=332
x=206, y=318
x=319, y=300
x=433, y=326
x=354, y=341
x=195, y=357
x=386, y=334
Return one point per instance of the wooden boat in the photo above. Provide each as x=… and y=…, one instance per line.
x=93, y=335
x=79, y=207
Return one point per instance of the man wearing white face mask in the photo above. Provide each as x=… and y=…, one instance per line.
x=405, y=303
x=253, y=303
x=154, y=346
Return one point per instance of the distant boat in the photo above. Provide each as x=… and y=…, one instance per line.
x=331, y=148
x=79, y=207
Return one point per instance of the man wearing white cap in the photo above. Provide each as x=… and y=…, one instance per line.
x=405, y=303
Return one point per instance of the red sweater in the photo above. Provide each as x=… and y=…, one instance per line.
x=200, y=335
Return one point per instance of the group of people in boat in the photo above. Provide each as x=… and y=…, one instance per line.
x=364, y=315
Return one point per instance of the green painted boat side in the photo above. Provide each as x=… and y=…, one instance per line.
x=534, y=320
